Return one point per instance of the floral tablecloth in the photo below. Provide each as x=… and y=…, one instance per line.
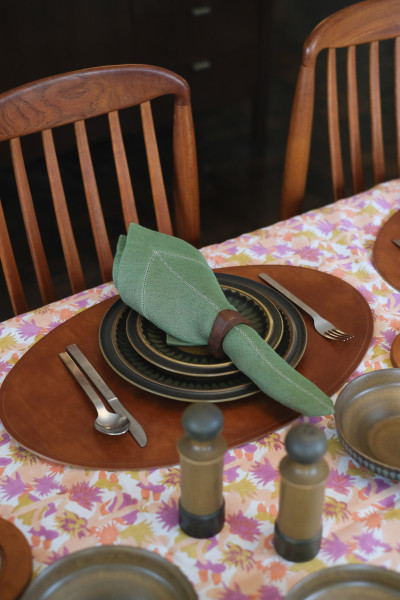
x=61, y=510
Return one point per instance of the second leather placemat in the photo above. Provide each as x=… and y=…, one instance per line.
x=385, y=254
x=43, y=410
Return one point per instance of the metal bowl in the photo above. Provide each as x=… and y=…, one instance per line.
x=348, y=582
x=367, y=414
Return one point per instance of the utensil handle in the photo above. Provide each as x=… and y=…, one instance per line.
x=90, y=371
x=288, y=294
x=83, y=382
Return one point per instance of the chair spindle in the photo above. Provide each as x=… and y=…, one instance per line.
x=73, y=263
x=376, y=116
x=122, y=169
x=39, y=259
x=101, y=239
x=10, y=269
x=333, y=127
x=156, y=178
x=354, y=122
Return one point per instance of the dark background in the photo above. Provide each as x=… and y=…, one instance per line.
x=241, y=59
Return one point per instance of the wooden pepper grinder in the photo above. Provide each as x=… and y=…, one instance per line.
x=201, y=451
x=304, y=472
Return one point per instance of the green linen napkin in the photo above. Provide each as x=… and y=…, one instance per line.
x=170, y=283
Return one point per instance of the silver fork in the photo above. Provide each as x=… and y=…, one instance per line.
x=324, y=327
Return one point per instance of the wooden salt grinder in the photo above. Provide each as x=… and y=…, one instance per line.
x=304, y=472
x=201, y=451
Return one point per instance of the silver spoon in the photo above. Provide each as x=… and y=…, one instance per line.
x=111, y=423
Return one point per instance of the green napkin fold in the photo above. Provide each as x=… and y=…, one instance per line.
x=169, y=282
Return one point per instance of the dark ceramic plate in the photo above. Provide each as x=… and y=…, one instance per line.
x=106, y=572
x=151, y=342
x=348, y=582
x=294, y=341
x=367, y=413
x=130, y=365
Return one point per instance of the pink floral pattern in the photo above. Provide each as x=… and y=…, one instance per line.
x=61, y=509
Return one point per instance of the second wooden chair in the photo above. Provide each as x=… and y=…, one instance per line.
x=363, y=23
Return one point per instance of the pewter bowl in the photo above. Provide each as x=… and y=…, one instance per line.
x=367, y=414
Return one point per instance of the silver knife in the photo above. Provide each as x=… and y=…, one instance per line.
x=397, y=242
x=135, y=429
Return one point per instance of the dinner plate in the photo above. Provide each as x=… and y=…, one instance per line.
x=15, y=561
x=294, y=341
x=106, y=572
x=367, y=413
x=129, y=364
x=348, y=582
x=152, y=343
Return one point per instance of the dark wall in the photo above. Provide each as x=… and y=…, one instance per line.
x=241, y=60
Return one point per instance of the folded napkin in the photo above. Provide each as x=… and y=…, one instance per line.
x=169, y=282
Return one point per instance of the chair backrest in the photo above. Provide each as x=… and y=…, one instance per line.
x=75, y=98
x=356, y=28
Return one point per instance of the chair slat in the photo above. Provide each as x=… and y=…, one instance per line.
x=156, y=178
x=101, y=240
x=39, y=259
x=186, y=184
x=397, y=98
x=13, y=280
x=378, y=159
x=73, y=263
x=123, y=175
x=354, y=122
x=333, y=127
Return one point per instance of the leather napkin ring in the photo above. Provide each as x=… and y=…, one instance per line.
x=225, y=320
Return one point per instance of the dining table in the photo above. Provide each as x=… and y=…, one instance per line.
x=61, y=506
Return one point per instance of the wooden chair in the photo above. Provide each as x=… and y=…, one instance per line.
x=363, y=23
x=75, y=98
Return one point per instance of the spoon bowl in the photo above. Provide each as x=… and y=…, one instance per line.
x=111, y=423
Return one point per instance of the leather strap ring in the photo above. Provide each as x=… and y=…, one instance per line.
x=225, y=320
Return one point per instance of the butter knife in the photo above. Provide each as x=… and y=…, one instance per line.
x=135, y=429
x=397, y=242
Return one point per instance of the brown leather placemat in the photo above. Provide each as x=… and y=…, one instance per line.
x=385, y=254
x=43, y=409
x=395, y=352
x=15, y=561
